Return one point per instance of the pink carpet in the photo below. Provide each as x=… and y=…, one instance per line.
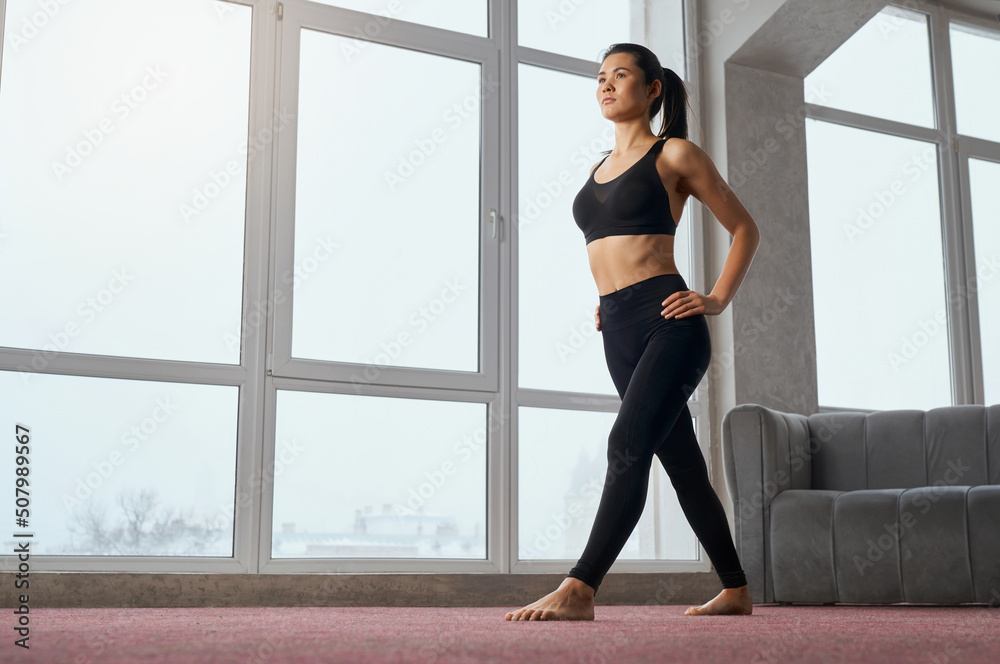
x=827, y=634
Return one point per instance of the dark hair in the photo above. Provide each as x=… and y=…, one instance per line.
x=673, y=99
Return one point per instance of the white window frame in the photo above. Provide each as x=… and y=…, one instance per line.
x=266, y=364
x=954, y=151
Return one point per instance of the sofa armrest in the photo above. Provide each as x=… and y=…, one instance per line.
x=764, y=452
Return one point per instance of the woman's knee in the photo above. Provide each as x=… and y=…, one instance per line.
x=687, y=472
x=626, y=453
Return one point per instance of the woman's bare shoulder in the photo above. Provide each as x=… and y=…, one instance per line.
x=676, y=147
x=685, y=157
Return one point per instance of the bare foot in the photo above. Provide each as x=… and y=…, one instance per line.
x=731, y=601
x=572, y=600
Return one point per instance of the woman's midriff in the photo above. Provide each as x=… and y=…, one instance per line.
x=617, y=261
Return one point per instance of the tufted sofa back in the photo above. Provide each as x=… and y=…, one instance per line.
x=903, y=449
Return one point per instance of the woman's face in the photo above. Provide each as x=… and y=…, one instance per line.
x=620, y=80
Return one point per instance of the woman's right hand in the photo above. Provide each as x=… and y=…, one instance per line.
x=597, y=317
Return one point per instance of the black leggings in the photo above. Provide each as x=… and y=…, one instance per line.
x=655, y=363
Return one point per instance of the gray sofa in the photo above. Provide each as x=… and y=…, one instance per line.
x=871, y=508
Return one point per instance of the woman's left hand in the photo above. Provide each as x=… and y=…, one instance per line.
x=688, y=303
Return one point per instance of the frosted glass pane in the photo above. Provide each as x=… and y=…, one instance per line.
x=359, y=476
x=387, y=208
x=878, y=270
x=562, y=461
x=577, y=29
x=124, y=467
x=975, y=53
x=558, y=345
x=123, y=160
x=985, y=182
x=884, y=70
x=460, y=15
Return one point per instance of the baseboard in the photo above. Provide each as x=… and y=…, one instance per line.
x=127, y=589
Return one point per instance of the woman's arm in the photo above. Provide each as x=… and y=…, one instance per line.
x=699, y=177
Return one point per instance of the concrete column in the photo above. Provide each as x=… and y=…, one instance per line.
x=774, y=353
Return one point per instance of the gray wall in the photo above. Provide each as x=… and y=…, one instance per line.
x=774, y=354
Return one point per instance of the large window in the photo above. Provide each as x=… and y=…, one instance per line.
x=290, y=298
x=123, y=213
x=878, y=273
x=972, y=49
x=903, y=153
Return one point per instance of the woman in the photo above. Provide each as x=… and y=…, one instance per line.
x=655, y=333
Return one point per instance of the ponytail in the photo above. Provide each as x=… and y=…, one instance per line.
x=672, y=102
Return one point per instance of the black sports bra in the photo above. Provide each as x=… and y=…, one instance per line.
x=634, y=203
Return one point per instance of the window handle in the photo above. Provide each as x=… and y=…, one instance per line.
x=494, y=219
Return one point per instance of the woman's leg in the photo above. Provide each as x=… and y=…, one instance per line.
x=655, y=365
x=685, y=465
x=674, y=360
